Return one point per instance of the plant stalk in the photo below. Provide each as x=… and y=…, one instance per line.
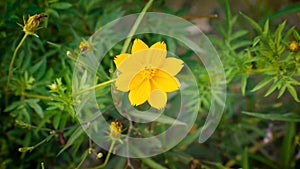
x=12, y=64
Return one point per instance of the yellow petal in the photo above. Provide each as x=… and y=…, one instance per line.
x=159, y=45
x=172, y=65
x=140, y=95
x=123, y=81
x=164, y=81
x=138, y=61
x=138, y=45
x=119, y=58
x=136, y=81
x=133, y=64
x=158, y=99
x=153, y=58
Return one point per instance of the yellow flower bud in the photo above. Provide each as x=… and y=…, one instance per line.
x=53, y=87
x=294, y=46
x=99, y=155
x=69, y=53
x=115, y=129
x=85, y=46
x=33, y=23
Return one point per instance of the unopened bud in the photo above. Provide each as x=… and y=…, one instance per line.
x=33, y=23
x=85, y=46
x=69, y=54
x=115, y=129
x=99, y=155
x=24, y=149
x=294, y=46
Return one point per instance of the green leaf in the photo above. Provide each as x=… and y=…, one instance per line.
x=266, y=28
x=280, y=117
x=61, y=5
x=39, y=69
x=262, y=84
x=278, y=32
x=36, y=67
x=245, y=163
x=244, y=83
x=238, y=34
x=241, y=44
x=256, y=41
x=296, y=35
x=116, y=162
x=78, y=132
x=191, y=137
x=288, y=34
x=290, y=9
x=56, y=120
x=227, y=10
x=152, y=164
x=158, y=118
x=254, y=24
x=293, y=92
x=288, y=147
x=281, y=91
x=33, y=103
x=13, y=106
x=264, y=160
x=52, y=13
x=274, y=86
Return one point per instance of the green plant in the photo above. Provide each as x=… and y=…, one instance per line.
x=39, y=126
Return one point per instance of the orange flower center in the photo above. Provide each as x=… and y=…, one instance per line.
x=148, y=73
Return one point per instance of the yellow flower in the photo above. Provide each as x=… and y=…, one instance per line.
x=85, y=46
x=115, y=129
x=53, y=87
x=294, y=46
x=148, y=74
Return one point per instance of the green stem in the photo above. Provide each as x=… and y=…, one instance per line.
x=107, y=157
x=12, y=63
x=29, y=126
x=24, y=149
x=36, y=96
x=45, y=140
x=96, y=86
x=135, y=26
x=83, y=159
x=42, y=165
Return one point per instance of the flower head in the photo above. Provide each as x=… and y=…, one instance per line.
x=53, y=87
x=85, y=46
x=33, y=22
x=294, y=46
x=148, y=74
x=115, y=129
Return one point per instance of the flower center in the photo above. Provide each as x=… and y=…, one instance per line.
x=149, y=73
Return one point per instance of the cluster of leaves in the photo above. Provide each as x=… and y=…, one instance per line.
x=260, y=62
x=39, y=96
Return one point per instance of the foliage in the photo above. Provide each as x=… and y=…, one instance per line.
x=38, y=119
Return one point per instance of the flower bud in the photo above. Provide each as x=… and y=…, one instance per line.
x=115, y=129
x=33, y=23
x=24, y=149
x=99, y=155
x=85, y=46
x=294, y=46
x=53, y=87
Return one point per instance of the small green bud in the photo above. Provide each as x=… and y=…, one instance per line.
x=24, y=149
